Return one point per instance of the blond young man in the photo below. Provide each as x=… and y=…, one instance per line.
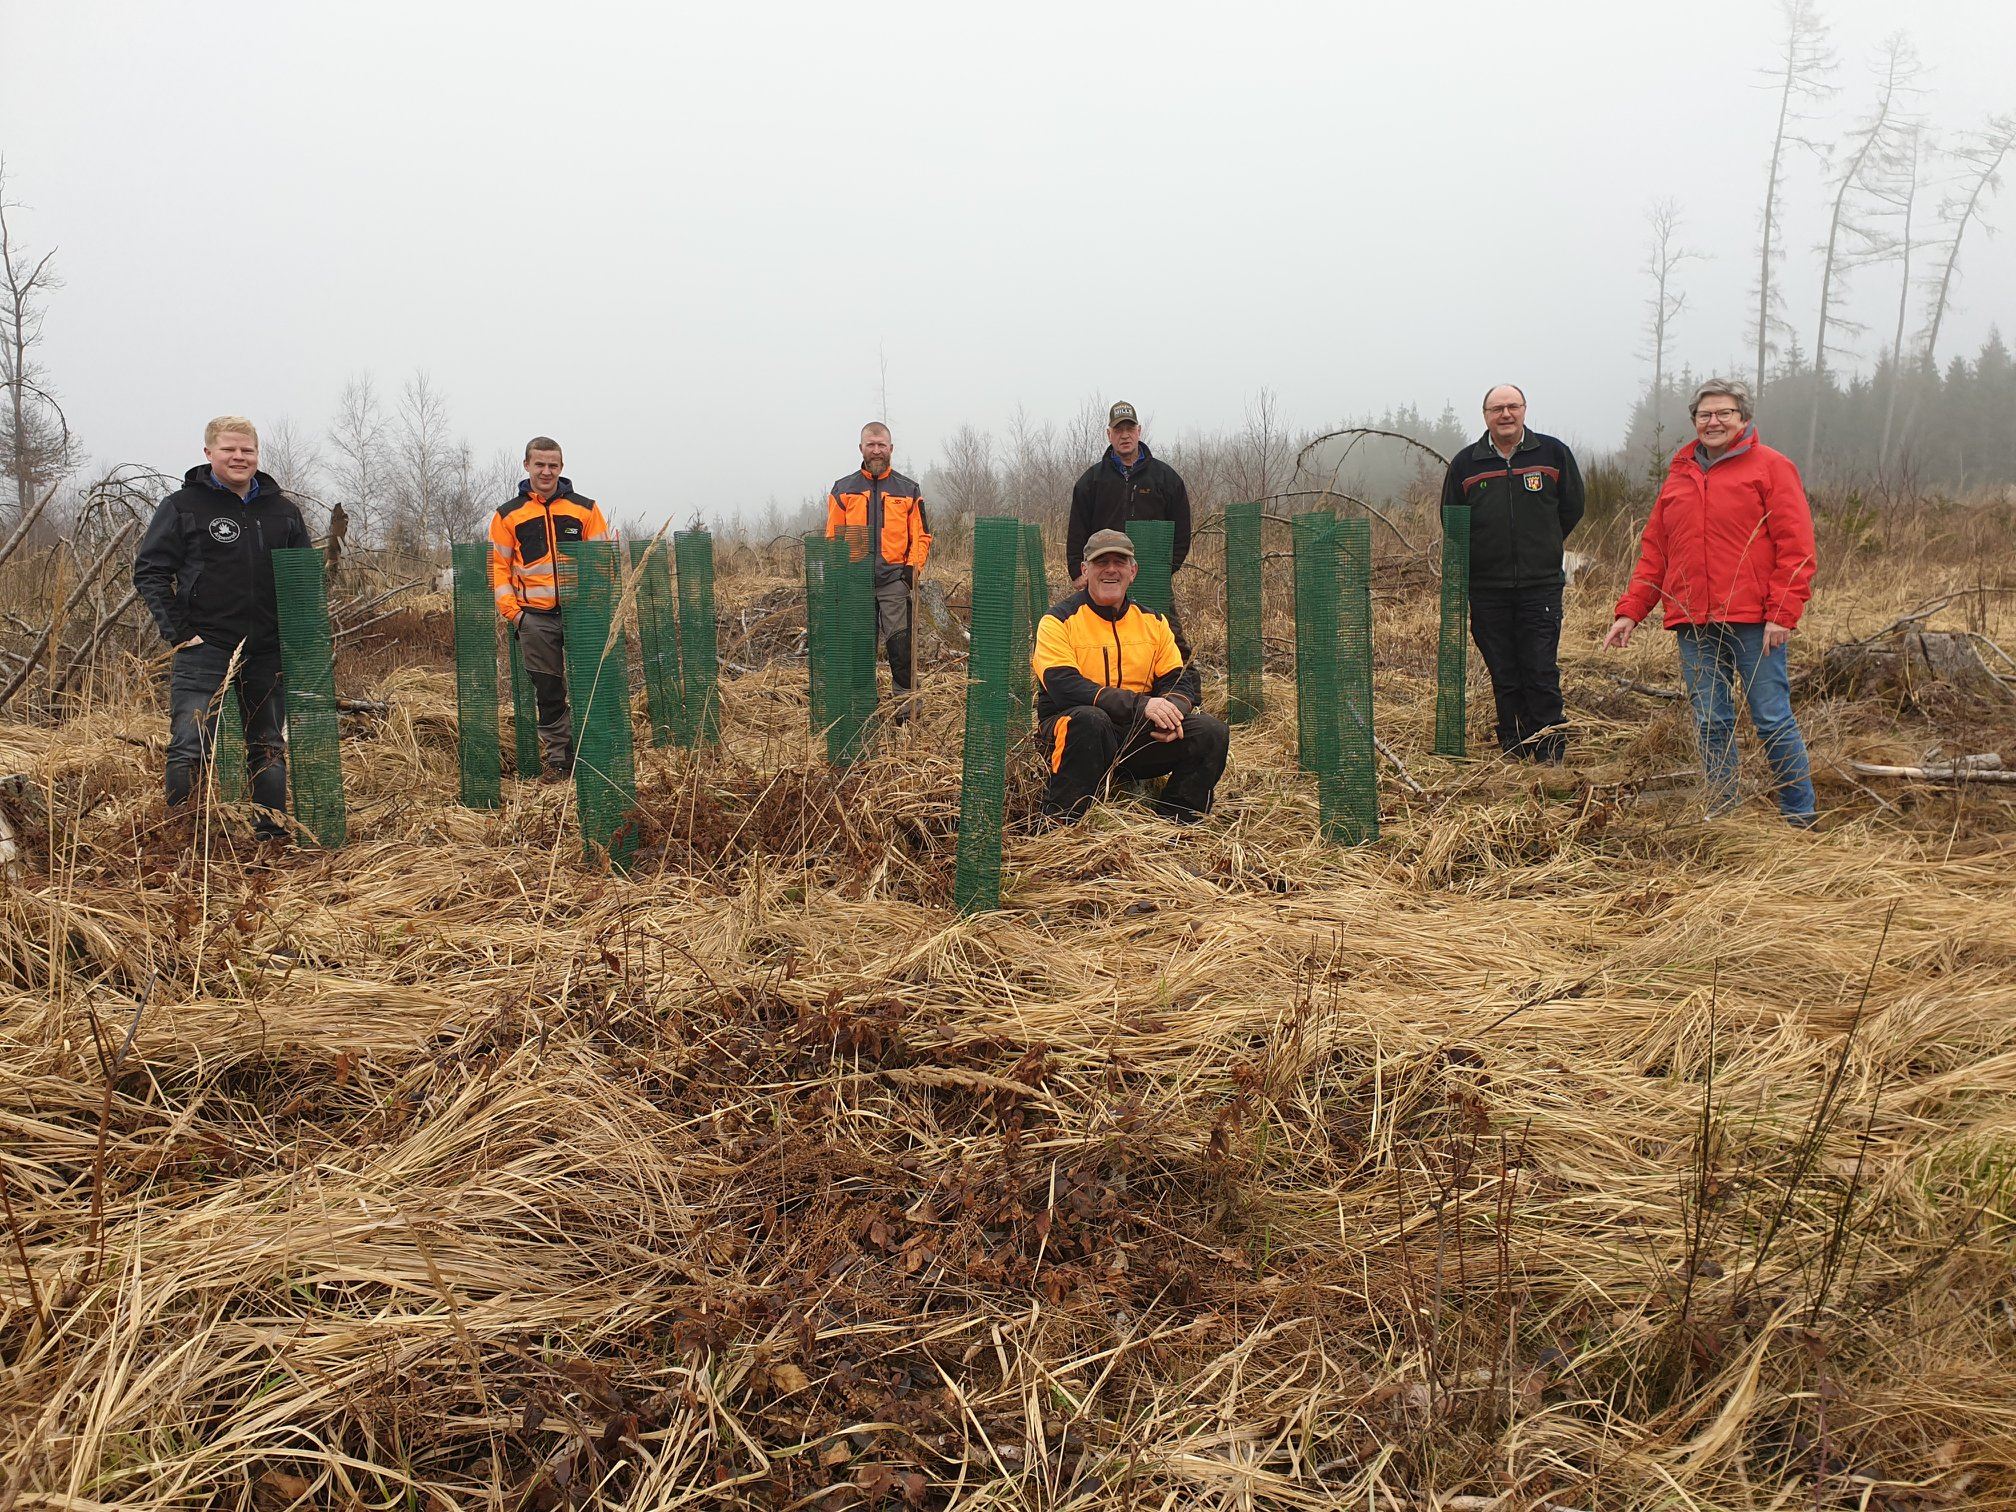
x=205, y=572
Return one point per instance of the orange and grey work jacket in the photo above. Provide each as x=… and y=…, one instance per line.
x=1112, y=659
x=887, y=509
x=522, y=534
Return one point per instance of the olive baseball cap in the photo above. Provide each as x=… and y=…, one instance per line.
x=1122, y=414
x=1109, y=543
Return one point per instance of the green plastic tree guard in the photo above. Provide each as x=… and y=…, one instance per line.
x=657, y=638
x=477, y=756
x=598, y=697
x=308, y=664
x=1154, y=547
x=998, y=558
x=1243, y=600
x=1452, y=661
x=699, y=640
x=524, y=714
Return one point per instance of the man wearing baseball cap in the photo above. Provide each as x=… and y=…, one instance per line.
x=1115, y=697
x=1128, y=483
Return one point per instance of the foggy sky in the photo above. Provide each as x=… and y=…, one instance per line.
x=684, y=239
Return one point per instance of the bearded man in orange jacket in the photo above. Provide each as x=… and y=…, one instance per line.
x=881, y=513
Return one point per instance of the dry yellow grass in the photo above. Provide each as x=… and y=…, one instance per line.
x=1559, y=1148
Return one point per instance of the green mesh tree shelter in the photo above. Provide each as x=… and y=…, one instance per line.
x=1305, y=528
x=1154, y=546
x=837, y=587
x=998, y=557
x=1351, y=796
x=1318, y=697
x=699, y=643
x=1243, y=597
x=1021, y=632
x=816, y=609
x=308, y=665
x=1452, y=662
x=227, y=750
x=476, y=752
x=1034, y=570
x=1036, y=589
x=657, y=638
x=524, y=714
x=598, y=697
x=854, y=646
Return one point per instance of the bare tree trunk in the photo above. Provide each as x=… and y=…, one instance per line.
x=1898, y=69
x=1803, y=62
x=1985, y=156
x=33, y=458
x=1908, y=188
x=1662, y=258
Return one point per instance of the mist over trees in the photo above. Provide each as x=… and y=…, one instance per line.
x=1867, y=208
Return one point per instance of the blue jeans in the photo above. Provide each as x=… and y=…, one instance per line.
x=1713, y=658
x=195, y=689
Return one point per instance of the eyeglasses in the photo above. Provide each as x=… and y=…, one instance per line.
x=1504, y=409
x=1723, y=414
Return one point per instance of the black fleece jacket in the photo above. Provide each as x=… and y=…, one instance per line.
x=205, y=566
x=1103, y=500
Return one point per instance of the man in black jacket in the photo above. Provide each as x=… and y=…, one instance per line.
x=1128, y=483
x=1524, y=493
x=205, y=572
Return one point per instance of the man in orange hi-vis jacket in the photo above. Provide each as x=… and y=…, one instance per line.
x=524, y=559
x=882, y=511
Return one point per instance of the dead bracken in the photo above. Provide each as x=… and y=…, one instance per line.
x=1559, y=1147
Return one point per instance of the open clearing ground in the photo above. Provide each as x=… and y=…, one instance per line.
x=1559, y=1144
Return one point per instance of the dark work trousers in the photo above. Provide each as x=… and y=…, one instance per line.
x=1086, y=746
x=892, y=629
x=196, y=698
x=545, y=656
x=1518, y=630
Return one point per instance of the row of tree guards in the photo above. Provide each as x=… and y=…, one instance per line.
x=680, y=667
x=673, y=592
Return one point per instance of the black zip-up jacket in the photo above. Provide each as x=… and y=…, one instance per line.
x=1521, y=511
x=205, y=566
x=1103, y=500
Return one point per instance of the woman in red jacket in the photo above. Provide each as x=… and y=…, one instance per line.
x=1728, y=556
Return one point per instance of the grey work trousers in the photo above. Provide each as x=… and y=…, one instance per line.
x=541, y=645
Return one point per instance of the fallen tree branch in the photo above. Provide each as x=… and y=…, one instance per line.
x=1632, y=685
x=1959, y=772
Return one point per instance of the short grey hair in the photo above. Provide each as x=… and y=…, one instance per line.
x=1725, y=388
x=1497, y=386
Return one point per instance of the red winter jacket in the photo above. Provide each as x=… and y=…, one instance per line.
x=1733, y=544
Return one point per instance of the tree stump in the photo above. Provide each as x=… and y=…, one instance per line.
x=1910, y=664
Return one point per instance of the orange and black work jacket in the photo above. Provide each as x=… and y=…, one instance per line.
x=522, y=533
x=887, y=509
x=1114, y=659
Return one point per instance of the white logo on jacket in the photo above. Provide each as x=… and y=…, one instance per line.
x=224, y=529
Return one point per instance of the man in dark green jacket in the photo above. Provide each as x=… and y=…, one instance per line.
x=1524, y=494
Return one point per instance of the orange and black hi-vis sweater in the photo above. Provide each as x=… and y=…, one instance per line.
x=1113, y=659
x=888, y=509
x=522, y=536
